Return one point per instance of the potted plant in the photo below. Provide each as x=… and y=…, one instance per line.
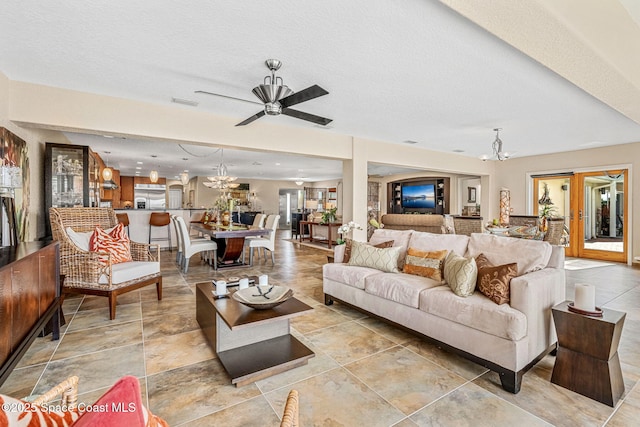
x=346, y=230
x=329, y=216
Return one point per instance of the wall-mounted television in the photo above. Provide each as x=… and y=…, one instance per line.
x=419, y=196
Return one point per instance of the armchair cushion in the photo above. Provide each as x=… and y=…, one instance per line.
x=127, y=271
x=115, y=243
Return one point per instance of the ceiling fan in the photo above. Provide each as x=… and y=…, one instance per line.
x=277, y=98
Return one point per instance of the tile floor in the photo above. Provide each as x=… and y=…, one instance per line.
x=365, y=373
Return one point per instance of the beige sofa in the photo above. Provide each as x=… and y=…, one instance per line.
x=508, y=338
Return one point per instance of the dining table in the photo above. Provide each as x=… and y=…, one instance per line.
x=230, y=239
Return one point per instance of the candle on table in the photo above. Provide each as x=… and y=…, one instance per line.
x=263, y=280
x=221, y=287
x=585, y=297
x=244, y=283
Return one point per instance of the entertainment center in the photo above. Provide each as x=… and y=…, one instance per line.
x=424, y=195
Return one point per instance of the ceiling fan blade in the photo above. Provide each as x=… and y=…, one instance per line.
x=228, y=97
x=302, y=96
x=251, y=119
x=306, y=116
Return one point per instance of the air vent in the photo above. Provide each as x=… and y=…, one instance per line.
x=408, y=141
x=185, y=102
x=457, y=150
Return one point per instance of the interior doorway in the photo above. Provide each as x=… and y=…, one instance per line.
x=594, y=207
x=290, y=200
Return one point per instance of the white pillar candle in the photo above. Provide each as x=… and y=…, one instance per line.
x=263, y=280
x=585, y=297
x=221, y=287
x=244, y=283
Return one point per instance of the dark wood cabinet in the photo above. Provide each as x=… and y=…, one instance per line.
x=29, y=298
x=71, y=178
x=126, y=189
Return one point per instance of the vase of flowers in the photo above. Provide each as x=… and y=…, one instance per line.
x=330, y=215
x=346, y=230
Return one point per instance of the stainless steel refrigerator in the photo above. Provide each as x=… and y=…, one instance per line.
x=150, y=196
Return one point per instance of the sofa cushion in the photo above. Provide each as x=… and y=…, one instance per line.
x=425, y=263
x=400, y=239
x=16, y=412
x=365, y=255
x=349, y=247
x=531, y=255
x=347, y=274
x=460, y=274
x=434, y=242
x=494, y=280
x=476, y=311
x=402, y=288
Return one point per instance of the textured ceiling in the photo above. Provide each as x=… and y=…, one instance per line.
x=396, y=70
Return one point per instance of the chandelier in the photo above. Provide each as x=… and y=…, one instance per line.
x=222, y=180
x=498, y=153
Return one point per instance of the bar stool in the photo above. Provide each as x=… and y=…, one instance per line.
x=159, y=219
x=124, y=219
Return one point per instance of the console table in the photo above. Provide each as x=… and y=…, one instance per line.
x=29, y=298
x=587, y=361
x=310, y=224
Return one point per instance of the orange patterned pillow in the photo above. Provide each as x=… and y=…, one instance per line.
x=17, y=412
x=425, y=263
x=115, y=242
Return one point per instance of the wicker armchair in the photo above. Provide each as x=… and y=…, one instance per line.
x=290, y=415
x=467, y=224
x=555, y=228
x=67, y=390
x=86, y=272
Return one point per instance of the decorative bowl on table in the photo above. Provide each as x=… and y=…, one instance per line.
x=498, y=229
x=262, y=297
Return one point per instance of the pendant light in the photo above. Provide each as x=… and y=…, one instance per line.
x=184, y=178
x=153, y=175
x=107, y=172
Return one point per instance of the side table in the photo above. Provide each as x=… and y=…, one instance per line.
x=587, y=361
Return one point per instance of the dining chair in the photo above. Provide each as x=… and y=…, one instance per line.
x=176, y=228
x=191, y=247
x=265, y=242
x=258, y=221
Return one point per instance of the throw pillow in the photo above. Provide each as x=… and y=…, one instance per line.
x=17, y=412
x=81, y=239
x=461, y=274
x=115, y=243
x=425, y=263
x=365, y=255
x=349, y=245
x=494, y=280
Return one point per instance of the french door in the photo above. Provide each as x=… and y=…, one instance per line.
x=594, y=207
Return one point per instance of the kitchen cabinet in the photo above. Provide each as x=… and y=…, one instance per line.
x=126, y=190
x=71, y=178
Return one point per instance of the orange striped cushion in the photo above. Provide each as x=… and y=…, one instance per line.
x=425, y=263
x=115, y=242
x=18, y=413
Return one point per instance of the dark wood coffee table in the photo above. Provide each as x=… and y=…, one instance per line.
x=587, y=361
x=251, y=344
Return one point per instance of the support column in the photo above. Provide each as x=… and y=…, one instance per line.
x=355, y=176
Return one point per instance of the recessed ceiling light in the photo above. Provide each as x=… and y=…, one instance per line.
x=138, y=167
x=138, y=163
x=277, y=164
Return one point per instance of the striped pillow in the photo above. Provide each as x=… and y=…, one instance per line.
x=115, y=243
x=425, y=263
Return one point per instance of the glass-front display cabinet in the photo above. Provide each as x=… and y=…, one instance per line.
x=71, y=178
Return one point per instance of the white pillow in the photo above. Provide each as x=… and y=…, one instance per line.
x=81, y=239
x=461, y=274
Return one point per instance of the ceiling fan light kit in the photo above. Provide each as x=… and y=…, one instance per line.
x=277, y=98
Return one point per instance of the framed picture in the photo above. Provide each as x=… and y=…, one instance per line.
x=472, y=194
